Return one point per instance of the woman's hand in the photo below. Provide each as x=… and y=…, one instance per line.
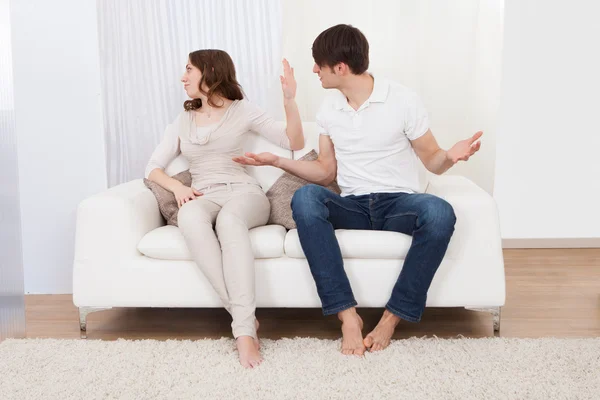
x=288, y=82
x=183, y=194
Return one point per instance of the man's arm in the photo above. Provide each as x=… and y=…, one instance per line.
x=322, y=171
x=438, y=160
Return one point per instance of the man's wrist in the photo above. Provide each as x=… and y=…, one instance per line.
x=277, y=163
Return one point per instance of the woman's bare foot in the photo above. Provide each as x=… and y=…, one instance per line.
x=249, y=355
x=352, y=340
x=257, y=341
x=381, y=336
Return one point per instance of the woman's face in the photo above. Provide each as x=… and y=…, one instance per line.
x=191, y=80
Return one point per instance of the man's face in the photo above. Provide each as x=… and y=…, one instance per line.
x=329, y=79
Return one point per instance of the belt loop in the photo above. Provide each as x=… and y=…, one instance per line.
x=229, y=189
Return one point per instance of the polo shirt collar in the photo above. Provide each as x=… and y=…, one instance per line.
x=378, y=95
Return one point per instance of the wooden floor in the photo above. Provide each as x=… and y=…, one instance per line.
x=550, y=293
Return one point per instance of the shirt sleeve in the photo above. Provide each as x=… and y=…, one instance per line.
x=417, y=120
x=322, y=128
x=264, y=125
x=166, y=151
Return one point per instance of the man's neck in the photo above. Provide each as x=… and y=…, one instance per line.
x=358, y=89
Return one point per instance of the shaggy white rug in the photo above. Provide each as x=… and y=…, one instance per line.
x=301, y=369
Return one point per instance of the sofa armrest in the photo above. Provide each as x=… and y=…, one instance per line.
x=476, y=242
x=477, y=222
x=110, y=224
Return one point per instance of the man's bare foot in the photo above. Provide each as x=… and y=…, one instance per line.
x=257, y=341
x=381, y=336
x=352, y=340
x=249, y=355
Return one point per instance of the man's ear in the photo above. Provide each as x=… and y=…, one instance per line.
x=341, y=69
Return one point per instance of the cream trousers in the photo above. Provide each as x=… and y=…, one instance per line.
x=224, y=254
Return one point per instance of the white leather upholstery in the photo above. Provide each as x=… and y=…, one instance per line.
x=280, y=282
x=358, y=244
x=167, y=243
x=366, y=244
x=116, y=226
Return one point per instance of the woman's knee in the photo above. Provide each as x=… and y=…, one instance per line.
x=227, y=219
x=192, y=213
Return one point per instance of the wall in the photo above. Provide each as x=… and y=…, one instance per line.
x=547, y=167
x=59, y=131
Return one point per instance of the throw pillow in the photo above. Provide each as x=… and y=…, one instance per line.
x=167, y=204
x=281, y=193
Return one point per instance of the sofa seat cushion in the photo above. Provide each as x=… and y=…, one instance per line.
x=358, y=244
x=167, y=243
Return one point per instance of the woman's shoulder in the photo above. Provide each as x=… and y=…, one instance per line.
x=182, y=119
x=248, y=107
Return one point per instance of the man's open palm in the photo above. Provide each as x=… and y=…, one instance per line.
x=257, y=159
x=464, y=149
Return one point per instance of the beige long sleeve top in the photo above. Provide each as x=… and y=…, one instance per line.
x=209, y=150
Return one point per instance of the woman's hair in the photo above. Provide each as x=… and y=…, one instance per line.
x=218, y=73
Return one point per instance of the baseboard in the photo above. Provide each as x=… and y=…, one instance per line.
x=558, y=243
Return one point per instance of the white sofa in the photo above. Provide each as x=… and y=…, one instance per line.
x=126, y=257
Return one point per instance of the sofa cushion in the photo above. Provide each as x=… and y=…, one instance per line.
x=167, y=243
x=358, y=244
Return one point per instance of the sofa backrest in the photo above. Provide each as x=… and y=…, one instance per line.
x=266, y=176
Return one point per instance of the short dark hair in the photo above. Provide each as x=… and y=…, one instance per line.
x=342, y=43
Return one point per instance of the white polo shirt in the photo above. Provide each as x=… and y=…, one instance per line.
x=372, y=146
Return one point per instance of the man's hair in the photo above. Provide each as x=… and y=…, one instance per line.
x=342, y=44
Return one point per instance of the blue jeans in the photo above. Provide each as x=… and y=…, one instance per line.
x=428, y=219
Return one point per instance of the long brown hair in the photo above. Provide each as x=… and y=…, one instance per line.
x=218, y=73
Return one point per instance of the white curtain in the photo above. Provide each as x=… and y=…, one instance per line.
x=144, y=45
x=448, y=51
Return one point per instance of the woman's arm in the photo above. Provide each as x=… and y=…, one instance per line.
x=165, y=152
x=292, y=115
x=289, y=136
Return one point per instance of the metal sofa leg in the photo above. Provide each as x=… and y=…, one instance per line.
x=495, y=311
x=83, y=314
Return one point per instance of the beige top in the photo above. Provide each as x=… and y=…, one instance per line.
x=209, y=150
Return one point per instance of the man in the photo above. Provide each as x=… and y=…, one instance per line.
x=371, y=131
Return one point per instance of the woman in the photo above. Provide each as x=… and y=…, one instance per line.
x=210, y=133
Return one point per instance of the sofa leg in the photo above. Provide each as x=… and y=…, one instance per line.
x=83, y=314
x=495, y=311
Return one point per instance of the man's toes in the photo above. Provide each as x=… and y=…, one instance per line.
x=376, y=347
x=360, y=351
x=368, y=342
